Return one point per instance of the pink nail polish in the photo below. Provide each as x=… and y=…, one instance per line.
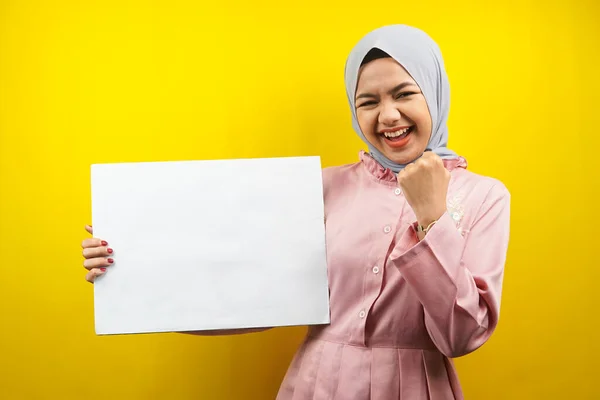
x=104, y=243
x=110, y=251
x=110, y=261
x=103, y=269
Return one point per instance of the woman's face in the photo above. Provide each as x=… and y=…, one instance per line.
x=391, y=111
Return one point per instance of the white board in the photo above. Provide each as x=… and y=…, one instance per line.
x=203, y=245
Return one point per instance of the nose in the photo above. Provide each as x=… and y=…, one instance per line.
x=389, y=114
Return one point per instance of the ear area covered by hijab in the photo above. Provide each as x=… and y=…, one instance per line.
x=422, y=58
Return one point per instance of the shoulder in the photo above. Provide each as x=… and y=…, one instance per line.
x=335, y=171
x=340, y=174
x=483, y=186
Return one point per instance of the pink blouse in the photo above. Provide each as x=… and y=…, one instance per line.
x=400, y=308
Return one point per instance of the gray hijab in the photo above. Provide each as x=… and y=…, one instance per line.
x=422, y=59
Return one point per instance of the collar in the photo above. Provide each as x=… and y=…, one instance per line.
x=386, y=174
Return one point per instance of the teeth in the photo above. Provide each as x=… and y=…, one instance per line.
x=397, y=133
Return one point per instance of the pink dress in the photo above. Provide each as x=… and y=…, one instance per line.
x=400, y=308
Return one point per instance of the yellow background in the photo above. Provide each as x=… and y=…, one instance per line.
x=108, y=81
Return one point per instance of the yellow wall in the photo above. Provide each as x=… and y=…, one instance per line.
x=107, y=81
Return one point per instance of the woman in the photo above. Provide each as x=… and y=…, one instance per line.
x=416, y=244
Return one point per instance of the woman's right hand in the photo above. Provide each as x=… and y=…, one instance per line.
x=97, y=256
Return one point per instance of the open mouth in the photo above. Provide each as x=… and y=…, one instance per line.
x=398, y=137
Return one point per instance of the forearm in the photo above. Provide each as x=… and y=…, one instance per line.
x=461, y=311
x=458, y=281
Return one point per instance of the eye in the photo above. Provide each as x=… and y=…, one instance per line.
x=404, y=94
x=366, y=104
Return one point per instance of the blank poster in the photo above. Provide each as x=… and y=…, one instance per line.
x=203, y=245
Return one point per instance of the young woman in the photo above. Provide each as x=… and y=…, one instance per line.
x=416, y=244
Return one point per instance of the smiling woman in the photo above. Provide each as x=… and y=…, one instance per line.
x=412, y=283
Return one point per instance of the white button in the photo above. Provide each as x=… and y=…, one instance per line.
x=387, y=229
x=375, y=269
x=362, y=314
x=397, y=191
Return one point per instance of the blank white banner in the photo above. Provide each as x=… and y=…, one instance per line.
x=202, y=245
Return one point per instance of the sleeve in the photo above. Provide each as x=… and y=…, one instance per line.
x=457, y=279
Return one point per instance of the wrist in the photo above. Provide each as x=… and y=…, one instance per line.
x=427, y=219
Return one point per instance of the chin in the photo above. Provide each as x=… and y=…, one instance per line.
x=402, y=161
x=402, y=157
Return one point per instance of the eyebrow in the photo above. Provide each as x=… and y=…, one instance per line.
x=395, y=89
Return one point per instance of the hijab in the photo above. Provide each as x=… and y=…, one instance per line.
x=422, y=59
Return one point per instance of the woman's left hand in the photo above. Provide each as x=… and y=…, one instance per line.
x=425, y=186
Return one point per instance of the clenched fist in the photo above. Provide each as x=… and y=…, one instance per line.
x=425, y=186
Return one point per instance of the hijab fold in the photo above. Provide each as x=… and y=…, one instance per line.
x=422, y=59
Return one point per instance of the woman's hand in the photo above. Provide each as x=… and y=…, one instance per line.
x=97, y=256
x=425, y=186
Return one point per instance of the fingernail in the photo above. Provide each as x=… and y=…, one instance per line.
x=110, y=251
x=104, y=243
x=110, y=260
x=103, y=269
